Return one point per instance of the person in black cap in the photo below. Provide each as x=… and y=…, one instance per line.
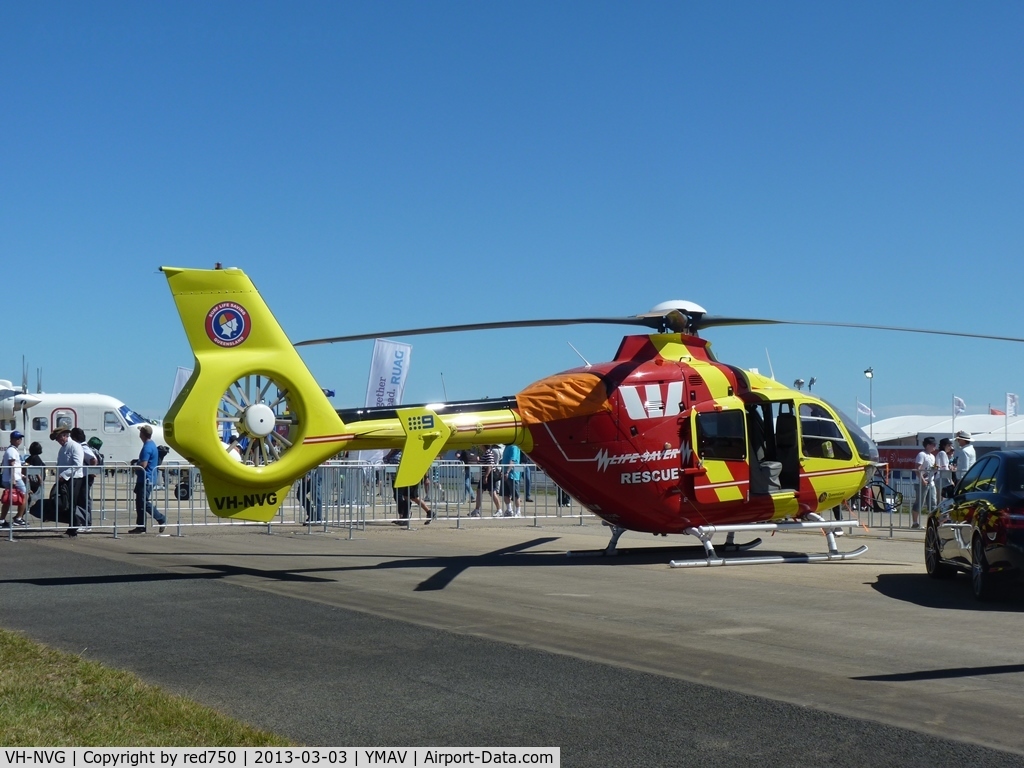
x=14, y=485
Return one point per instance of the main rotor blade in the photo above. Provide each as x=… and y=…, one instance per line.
x=647, y=322
x=672, y=321
x=712, y=321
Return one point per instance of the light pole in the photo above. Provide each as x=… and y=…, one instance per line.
x=799, y=384
x=870, y=374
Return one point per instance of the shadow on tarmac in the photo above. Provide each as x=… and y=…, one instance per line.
x=954, y=594
x=944, y=674
x=448, y=568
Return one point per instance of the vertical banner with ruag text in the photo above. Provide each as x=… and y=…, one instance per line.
x=389, y=370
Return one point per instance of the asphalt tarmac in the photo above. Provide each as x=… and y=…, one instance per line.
x=491, y=636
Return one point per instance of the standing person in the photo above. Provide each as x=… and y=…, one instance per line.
x=70, y=479
x=145, y=480
x=310, y=494
x=943, y=464
x=13, y=483
x=89, y=459
x=404, y=494
x=527, y=472
x=467, y=457
x=489, y=484
x=510, y=459
x=926, y=496
x=963, y=454
x=36, y=472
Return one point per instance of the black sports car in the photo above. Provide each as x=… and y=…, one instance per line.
x=980, y=529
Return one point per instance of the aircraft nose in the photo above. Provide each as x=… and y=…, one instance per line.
x=24, y=401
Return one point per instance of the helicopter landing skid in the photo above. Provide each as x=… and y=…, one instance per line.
x=705, y=532
x=610, y=550
x=732, y=546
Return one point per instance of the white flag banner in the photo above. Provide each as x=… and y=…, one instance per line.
x=861, y=408
x=181, y=378
x=1011, y=404
x=959, y=406
x=389, y=369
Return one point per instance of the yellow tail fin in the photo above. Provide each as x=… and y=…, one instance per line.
x=425, y=437
x=250, y=381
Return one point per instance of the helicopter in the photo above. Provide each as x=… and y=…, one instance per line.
x=662, y=439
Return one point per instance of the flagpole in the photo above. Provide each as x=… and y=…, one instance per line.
x=953, y=409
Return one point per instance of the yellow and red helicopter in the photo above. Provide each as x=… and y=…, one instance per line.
x=663, y=439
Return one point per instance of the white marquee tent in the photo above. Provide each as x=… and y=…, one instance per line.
x=994, y=431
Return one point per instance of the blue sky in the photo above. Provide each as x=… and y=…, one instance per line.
x=389, y=165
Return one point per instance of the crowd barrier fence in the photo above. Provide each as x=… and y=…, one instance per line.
x=349, y=495
x=338, y=495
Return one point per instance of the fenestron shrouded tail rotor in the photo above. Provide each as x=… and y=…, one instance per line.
x=257, y=410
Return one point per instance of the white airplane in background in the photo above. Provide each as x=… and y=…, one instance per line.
x=37, y=414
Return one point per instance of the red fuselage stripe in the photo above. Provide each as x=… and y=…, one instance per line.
x=327, y=439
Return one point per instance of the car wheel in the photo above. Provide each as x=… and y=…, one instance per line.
x=982, y=580
x=933, y=556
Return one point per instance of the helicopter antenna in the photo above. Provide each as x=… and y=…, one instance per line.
x=443, y=388
x=770, y=369
x=585, y=361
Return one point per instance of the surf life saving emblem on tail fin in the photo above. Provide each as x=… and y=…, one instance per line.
x=227, y=324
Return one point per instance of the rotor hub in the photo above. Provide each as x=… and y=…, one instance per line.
x=259, y=420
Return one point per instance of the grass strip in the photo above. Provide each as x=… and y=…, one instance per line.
x=53, y=699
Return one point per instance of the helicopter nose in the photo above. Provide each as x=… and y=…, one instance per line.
x=873, y=449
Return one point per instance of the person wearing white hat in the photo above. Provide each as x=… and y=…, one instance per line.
x=963, y=454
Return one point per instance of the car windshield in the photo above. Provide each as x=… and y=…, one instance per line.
x=866, y=447
x=131, y=416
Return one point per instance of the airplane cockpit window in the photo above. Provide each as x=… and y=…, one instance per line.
x=111, y=422
x=131, y=416
x=721, y=435
x=822, y=437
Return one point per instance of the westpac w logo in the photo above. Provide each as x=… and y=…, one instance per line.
x=652, y=401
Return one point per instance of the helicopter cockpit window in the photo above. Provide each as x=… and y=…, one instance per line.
x=822, y=437
x=721, y=435
x=111, y=422
x=865, y=446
